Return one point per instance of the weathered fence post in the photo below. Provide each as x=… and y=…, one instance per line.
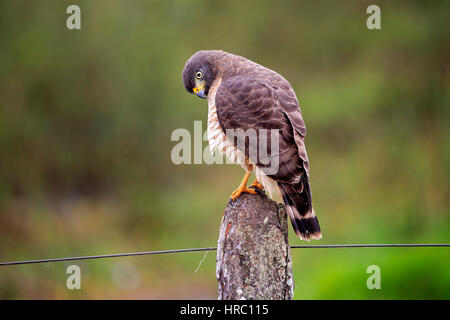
x=253, y=253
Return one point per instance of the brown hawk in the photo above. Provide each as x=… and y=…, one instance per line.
x=243, y=95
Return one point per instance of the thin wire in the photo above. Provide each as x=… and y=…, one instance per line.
x=116, y=255
x=325, y=246
x=395, y=245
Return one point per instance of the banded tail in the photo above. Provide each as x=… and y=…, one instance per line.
x=297, y=199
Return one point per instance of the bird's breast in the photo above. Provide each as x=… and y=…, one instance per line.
x=218, y=140
x=217, y=137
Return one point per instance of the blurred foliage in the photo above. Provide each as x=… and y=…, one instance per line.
x=86, y=118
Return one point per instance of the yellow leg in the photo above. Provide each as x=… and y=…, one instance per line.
x=257, y=185
x=242, y=188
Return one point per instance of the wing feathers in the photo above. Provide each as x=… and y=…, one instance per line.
x=247, y=103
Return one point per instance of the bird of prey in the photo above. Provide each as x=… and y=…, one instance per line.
x=244, y=95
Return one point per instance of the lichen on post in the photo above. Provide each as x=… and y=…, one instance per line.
x=253, y=253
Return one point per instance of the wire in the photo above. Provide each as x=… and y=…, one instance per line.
x=117, y=255
x=395, y=245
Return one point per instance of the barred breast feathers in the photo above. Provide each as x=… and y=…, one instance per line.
x=216, y=137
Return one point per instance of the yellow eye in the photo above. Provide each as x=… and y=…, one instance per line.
x=199, y=74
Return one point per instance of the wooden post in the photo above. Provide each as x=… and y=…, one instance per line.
x=253, y=253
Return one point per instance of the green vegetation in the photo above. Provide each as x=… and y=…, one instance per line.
x=86, y=118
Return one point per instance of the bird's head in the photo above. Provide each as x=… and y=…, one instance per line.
x=199, y=73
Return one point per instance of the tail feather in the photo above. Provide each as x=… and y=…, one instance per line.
x=297, y=199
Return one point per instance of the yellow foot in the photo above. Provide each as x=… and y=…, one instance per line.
x=242, y=189
x=257, y=185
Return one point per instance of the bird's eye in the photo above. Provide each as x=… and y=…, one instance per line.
x=199, y=74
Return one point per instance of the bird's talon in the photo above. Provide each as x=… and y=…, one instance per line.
x=239, y=191
x=257, y=185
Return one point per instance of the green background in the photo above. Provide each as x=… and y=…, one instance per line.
x=86, y=118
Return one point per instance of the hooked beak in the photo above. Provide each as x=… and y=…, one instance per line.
x=200, y=91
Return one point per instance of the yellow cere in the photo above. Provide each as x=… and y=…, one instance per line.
x=199, y=85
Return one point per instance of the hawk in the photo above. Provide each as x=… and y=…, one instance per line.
x=243, y=95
